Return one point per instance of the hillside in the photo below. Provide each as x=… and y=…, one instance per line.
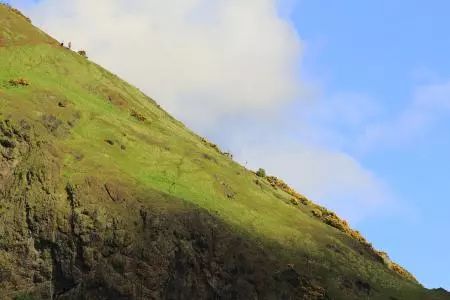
x=103, y=195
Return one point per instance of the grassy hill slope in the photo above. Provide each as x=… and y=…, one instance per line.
x=103, y=195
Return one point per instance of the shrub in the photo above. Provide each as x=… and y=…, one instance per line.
x=403, y=273
x=138, y=116
x=228, y=154
x=19, y=82
x=304, y=201
x=330, y=218
x=294, y=201
x=277, y=183
x=261, y=173
x=83, y=53
x=384, y=257
x=337, y=223
x=316, y=213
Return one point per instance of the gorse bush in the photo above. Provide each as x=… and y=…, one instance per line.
x=329, y=218
x=261, y=173
x=138, y=116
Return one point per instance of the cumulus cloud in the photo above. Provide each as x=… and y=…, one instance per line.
x=230, y=69
x=201, y=59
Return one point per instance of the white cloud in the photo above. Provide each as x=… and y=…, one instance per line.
x=201, y=59
x=228, y=68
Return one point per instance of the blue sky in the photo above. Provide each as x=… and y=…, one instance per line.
x=349, y=101
x=386, y=50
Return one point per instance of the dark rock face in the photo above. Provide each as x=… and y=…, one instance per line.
x=13, y=144
x=99, y=240
x=175, y=256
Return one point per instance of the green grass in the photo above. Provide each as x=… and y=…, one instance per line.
x=161, y=154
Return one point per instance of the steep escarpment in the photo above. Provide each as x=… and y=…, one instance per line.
x=95, y=238
x=78, y=242
x=103, y=195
